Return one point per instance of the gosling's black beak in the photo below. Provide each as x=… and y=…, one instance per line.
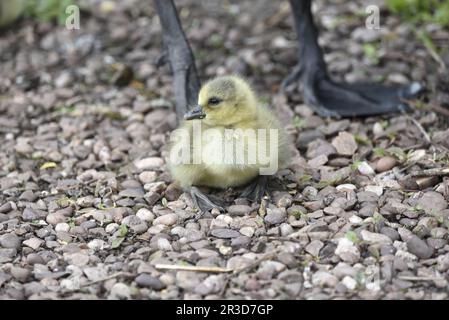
x=195, y=113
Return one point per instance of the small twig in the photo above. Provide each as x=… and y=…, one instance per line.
x=439, y=109
x=430, y=106
x=193, y=268
x=245, y=268
x=420, y=128
x=256, y=262
x=412, y=278
x=285, y=239
x=397, y=171
x=394, y=55
x=436, y=172
x=279, y=16
x=428, y=43
x=112, y=276
x=437, y=58
x=415, y=146
x=215, y=269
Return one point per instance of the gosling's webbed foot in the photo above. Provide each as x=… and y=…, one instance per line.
x=202, y=201
x=256, y=189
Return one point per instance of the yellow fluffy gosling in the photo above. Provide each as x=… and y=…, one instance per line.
x=228, y=114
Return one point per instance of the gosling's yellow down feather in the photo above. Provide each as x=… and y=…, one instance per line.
x=226, y=103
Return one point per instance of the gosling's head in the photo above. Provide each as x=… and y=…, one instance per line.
x=224, y=101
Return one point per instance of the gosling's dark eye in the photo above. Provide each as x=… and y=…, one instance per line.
x=214, y=101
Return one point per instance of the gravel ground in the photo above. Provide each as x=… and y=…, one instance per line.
x=88, y=210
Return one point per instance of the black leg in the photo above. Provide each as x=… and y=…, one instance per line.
x=256, y=189
x=185, y=79
x=328, y=98
x=202, y=201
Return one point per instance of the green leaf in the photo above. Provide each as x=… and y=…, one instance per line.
x=299, y=122
x=117, y=242
x=298, y=214
x=66, y=109
x=427, y=40
x=123, y=230
x=419, y=12
x=115, y=116
x=65, y=201
x=352, y=236
x=304, y=179
x=379, y=152
x=48, y=10
x=398, y=153
x=216, y=41
x=362, y=140
x=332, y=182
x=355, y=166
x=371, y=52
x=377, y=217
x=441, y=15
x=71, y=222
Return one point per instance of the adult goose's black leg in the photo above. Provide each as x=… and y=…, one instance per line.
x=327, y=97
x=186, y=83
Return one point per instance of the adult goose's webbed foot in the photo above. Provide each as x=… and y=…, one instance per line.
x=203, y=202
x=329, y=98
x=256, y=189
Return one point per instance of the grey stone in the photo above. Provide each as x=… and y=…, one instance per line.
x=30, y=214
x=345, y=144
x=275, y=216
x=7, y=254
x=225, y=233
x=20, y=274
x=148, y=281
x=168, y=219
x=432, y=202
x=391, y=233
x=419, y=247
x=239, y=210
x=10, y=240
x=314, y=247
x=132, y=193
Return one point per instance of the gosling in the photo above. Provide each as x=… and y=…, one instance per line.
x=227, y=114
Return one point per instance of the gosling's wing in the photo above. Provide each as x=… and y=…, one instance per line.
x=268, y=120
